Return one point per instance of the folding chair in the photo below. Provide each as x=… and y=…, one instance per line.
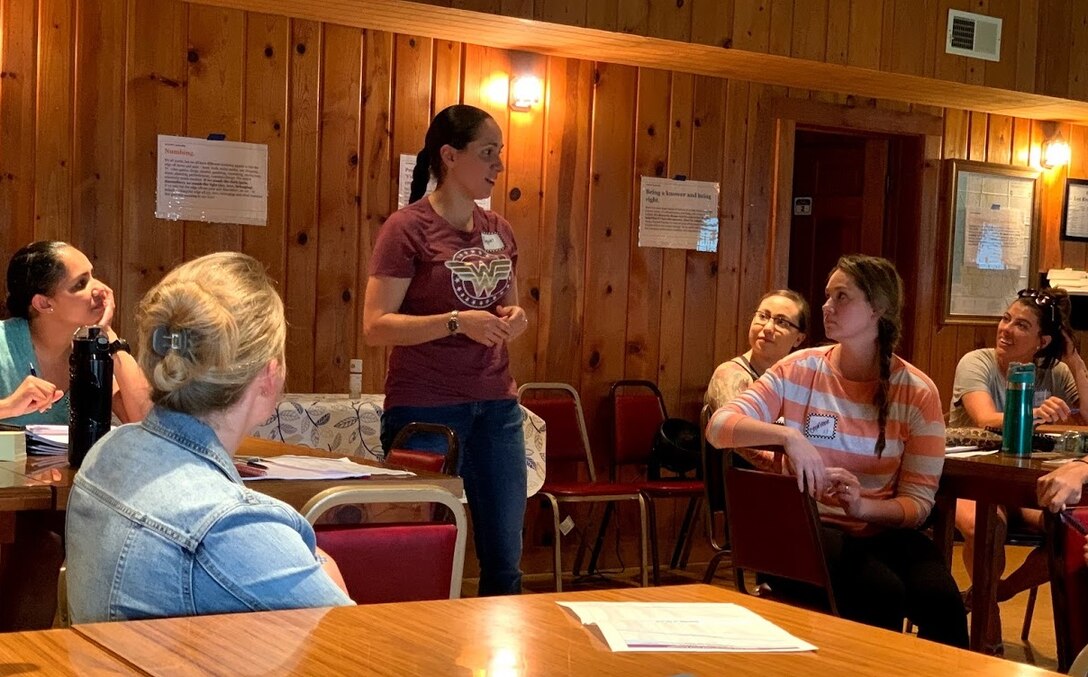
x=394, y=562
x=567, y=446
x=775, y=529
x=412, y=459
x=638, y=410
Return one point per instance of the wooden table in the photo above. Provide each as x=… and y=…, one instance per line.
x=523, y=635
x=991, y=481
x=57, y=652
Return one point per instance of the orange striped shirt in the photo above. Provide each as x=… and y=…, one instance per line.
x=838, y=418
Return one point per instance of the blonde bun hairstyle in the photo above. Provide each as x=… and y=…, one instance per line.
x=207, y=330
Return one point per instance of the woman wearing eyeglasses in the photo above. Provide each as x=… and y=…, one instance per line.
x=863, y=433
x=1035, y=328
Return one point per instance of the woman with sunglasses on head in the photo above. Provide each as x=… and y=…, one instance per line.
x=1035, y=328
x=863, y=433
x=777, y=328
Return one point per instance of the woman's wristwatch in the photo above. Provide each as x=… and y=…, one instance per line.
x=453, y=324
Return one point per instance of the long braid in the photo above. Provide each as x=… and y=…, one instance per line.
x=887, y=337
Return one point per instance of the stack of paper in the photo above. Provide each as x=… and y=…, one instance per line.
x=314, y=468
x=678, y=626
x=1072, y=280
x=47, y=440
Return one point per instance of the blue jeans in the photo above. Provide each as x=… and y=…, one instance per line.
x=492, y=466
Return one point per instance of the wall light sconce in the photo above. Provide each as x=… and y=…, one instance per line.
x=1054, y=151
x=526, y=91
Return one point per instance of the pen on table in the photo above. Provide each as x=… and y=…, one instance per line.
x=1073, y=522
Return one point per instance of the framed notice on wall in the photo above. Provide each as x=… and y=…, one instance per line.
x=1075, y=210
x=993, y=220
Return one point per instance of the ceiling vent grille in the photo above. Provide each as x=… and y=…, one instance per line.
x=973, y=35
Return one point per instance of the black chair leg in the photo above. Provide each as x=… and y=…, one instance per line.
x=683, y=538
x=712, y=567
x=599, y=544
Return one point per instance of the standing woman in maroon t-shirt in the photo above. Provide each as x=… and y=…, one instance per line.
x=443, y=293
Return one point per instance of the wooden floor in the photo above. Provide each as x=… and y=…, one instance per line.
x=1039, y=650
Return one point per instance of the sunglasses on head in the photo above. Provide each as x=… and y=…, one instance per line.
x=1041, y=299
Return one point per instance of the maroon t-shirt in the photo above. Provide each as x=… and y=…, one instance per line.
x=450, y=270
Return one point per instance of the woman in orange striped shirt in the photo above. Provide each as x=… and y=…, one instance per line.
x=864, y=433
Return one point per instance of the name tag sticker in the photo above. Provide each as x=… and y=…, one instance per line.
x=493, y=242
x=821, y=426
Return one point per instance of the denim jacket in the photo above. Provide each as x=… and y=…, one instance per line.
x=160, y=524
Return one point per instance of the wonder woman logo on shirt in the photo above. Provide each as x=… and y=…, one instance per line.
x=480, y=279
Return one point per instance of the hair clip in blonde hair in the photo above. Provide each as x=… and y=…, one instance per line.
x=163, y=341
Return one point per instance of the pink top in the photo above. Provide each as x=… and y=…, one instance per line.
x=450, y=270
x=837, y=416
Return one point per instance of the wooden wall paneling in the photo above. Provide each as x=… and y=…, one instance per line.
x=267, y=60
x=752, y=25
x=411, y=87
x=569, y=12
x=634, y=17
x=303, y=153
x=18, y=57
x=914, y=56
x=670, y=19
x=810, y=36
x=927, y=266
x=1052, y=65
x=338, y=208
x=976, y=68
x=728, y=317
x=1021, y=142
x=447, y=74
x=712, y=22
x=99, y=128
x=610, y=219
x=154, y=104
x=564, y=227
x=486, y=85
x=519, y=8
x=700, y=296
x=216, y=61
x=1077, y=86
x=944, y=346
x=378, y=173
x=603, y=14
x=838, y=31
x=674, y=261
x=866, y=31
x=1050, y=218
x=999, y=140
x=524, y=210
x=951, y=67
x=1027, y=39
x=644, y=263
x=53, y=145
x=1075, y=254
x=489, y=6
x=977, y=136
x=758, y=271
x=1003, y=73
x=781, y=27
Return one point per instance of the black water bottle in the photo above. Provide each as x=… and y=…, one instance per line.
x=90, y=372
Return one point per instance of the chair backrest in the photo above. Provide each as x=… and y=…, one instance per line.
x=774, y=528
x=637, y=412
x=561, y=408
x=1070, y=588
x=417, y=459
x=394, y=562
x=713, y=485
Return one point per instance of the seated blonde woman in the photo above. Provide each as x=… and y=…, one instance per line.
x=159, y=522
x=778, y=327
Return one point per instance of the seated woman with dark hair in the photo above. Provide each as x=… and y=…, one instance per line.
x=52, y=292
x=159, y=522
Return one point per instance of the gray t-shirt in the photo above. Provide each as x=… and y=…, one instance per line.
x=977, y=371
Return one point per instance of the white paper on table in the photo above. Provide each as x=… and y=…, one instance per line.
x=316, y=468
x=684, y=626
x=967, y=452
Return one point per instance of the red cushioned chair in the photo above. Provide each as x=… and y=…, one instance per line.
x=774, y=529
x=638, y=410
x=412, y=459
x=372, y=557
x=567, y=446
x=1069, y=578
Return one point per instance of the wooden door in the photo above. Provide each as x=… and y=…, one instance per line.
x=845, y=177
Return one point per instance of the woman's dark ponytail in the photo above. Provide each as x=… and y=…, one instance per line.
x=421, y=176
